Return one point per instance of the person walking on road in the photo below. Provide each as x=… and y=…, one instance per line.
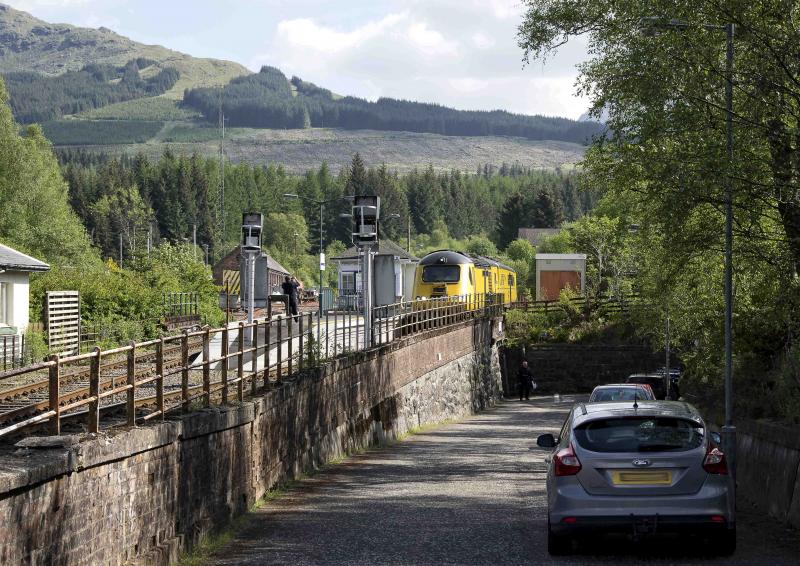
x=525, y=381
x=289, y=288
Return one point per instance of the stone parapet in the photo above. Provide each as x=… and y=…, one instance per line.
x=143, y=495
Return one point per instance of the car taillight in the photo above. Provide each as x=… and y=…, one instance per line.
x=715, y=462
x=566, y=462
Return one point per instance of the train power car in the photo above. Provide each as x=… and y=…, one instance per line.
x=447, y=273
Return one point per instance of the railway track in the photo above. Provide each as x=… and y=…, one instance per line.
x=28, y=399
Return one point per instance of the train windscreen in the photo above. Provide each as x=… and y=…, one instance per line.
x=441, y=273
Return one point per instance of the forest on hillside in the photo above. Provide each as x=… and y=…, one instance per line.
x=266, y=100
x=40, y=98
x=133, y=198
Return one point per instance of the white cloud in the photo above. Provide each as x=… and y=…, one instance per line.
x=460, y=53
x=502, y=9
x=430, y=41
x=482, y=41
x=305, y=33
x=28, y=5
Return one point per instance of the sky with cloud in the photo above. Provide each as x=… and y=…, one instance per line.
x=459, y=53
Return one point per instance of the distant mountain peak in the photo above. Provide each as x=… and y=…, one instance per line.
x=30, y=44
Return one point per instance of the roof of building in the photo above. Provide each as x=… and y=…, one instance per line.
x=273, y=265
x=536, y=235
x=385, y=247
x=231, y=263
x=13, y=260
x=561, y=256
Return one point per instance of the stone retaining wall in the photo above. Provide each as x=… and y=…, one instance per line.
x=142, y=496
x=576, y=368
x=768, y=469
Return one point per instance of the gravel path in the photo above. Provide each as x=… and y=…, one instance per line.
x=466, y=493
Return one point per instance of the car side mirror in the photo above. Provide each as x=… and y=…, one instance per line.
x=546, y=441
x=715, y=436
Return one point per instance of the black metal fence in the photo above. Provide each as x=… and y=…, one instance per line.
x=12, y=349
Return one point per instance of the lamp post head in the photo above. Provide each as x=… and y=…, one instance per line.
x=290, y=195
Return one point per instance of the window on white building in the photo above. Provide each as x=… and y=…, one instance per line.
x=348, y=283
x=4, y=306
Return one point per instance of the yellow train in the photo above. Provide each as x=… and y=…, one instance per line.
x=446, y=273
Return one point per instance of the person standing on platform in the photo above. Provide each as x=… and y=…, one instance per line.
x=289, y=287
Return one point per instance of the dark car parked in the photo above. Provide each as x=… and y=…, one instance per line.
x=654, y=380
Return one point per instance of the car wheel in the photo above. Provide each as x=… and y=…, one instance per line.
x=557, y=545
x=726, y=542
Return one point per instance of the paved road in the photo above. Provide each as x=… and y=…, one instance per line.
x=466, y=493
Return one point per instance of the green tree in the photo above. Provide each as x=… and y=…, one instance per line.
x=334, y=249
x=547, y=210
x=514, y=214
x=424, y=199
x=289, y=249
x=357, y=178
x=393, y=201
x=480, y=245
x=600, y=238
x=521, y=250
x=35, y=215
x=665, y=96
x=121, y=214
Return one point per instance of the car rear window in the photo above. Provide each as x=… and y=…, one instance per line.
x=620, y=394
x=639, y=434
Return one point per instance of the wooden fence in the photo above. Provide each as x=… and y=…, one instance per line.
x=589, y=305
x=63, y=321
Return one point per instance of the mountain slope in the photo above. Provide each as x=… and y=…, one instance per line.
x=402, y=134
x=30, y=44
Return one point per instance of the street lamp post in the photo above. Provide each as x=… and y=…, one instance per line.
x=729, y=430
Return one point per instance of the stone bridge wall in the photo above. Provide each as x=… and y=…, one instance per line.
x=144, y=495
x=577, y=368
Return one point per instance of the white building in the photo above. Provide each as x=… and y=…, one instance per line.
x=393, y=268
x=555, y=272
x=15, y=270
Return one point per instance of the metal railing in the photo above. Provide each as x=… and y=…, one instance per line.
x=12, y=348
x=148, y=380
x=397, y=320
x=179, y=304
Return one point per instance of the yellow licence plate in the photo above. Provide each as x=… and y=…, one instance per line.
x=641, y=477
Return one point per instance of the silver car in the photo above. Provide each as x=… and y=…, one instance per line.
x=639, y=469
x=622, y=392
